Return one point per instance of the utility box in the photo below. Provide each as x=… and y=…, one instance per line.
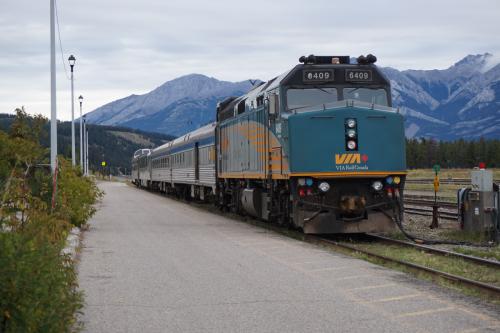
x=478, y=203
x=482, y=180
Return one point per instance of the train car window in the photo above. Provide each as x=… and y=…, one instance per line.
x=260, y=100
x=241, y=106
x=298, y=99
x=373, y=96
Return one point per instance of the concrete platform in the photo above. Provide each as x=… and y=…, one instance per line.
x=152, y=264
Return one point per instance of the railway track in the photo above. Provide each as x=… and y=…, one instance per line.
x=418, y=206
x=433, y=250
x=490, y=289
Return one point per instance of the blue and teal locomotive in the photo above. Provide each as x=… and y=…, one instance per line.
x=319, y=148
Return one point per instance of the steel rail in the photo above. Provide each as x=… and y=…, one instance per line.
x=451, y=277
x=446, y=253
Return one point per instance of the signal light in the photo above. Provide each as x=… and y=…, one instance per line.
x=309, y=191
x=309, y=181
x=397, y=180
x=389, y=180
x=351, y=123
x=302, y=193
x=351, y=144
x=482, y=165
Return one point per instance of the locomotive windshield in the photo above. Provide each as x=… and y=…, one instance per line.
x=301, y=98
x=372, y=96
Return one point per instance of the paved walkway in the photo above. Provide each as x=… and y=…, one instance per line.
x=152, y=264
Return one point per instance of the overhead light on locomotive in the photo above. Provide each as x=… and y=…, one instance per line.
x=351, y=123
x=371, y=59
x=377, y=185
x=351, y=133
x=362, y=60
x=324, y=187
x=351, y=144
x=335, y=61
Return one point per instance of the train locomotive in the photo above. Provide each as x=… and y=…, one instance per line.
x=318, y=148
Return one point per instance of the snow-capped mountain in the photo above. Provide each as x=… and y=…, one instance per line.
x=462, y=101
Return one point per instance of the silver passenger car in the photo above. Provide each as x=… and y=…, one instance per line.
x=186, y=165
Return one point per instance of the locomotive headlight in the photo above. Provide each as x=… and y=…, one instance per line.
x=377, y=185
x=324, y=187
x=351, y=133
x=351, y=123
x=351, y=144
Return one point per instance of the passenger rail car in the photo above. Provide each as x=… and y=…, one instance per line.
x=185, y=166
x=319, y=148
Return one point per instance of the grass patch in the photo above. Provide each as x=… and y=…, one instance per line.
x=456, y=266
x=446, y=173
x=491, y=253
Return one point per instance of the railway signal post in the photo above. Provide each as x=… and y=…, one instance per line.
x=435, y=207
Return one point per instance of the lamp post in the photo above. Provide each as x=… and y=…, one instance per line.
x=87, y=153
x=84, y=161
x=72, y=61
x=53, y=106
x=80, y=99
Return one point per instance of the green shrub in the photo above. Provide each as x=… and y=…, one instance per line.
x=76, y=195
x=37, y=285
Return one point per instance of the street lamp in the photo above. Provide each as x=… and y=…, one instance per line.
x=72, y=61
x=80, y=99
x=87, y=153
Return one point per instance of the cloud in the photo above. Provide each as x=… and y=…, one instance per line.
x=124, y=47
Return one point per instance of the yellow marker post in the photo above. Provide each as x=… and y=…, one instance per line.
x=436, y=183
x=435, y=207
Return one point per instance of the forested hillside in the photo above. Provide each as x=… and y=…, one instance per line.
x=115, y=145
x=424, y=153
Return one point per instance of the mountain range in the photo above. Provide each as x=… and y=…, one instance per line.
x=462, y=101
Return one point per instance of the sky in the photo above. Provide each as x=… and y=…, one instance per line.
x=126, y=47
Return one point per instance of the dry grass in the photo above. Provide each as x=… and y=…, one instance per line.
x=446, y=173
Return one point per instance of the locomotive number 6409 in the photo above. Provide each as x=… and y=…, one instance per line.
x=358, y=75
x=317, y=76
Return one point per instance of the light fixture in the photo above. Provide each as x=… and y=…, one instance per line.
x=72, y=60
x=351, y=144
x=324, y=187
x=351, y=123
x=377, y=185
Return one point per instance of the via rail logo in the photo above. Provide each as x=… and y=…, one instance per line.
x=351, y=162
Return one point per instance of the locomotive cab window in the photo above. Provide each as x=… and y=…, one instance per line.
x=306, y=97
x=373, y=96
